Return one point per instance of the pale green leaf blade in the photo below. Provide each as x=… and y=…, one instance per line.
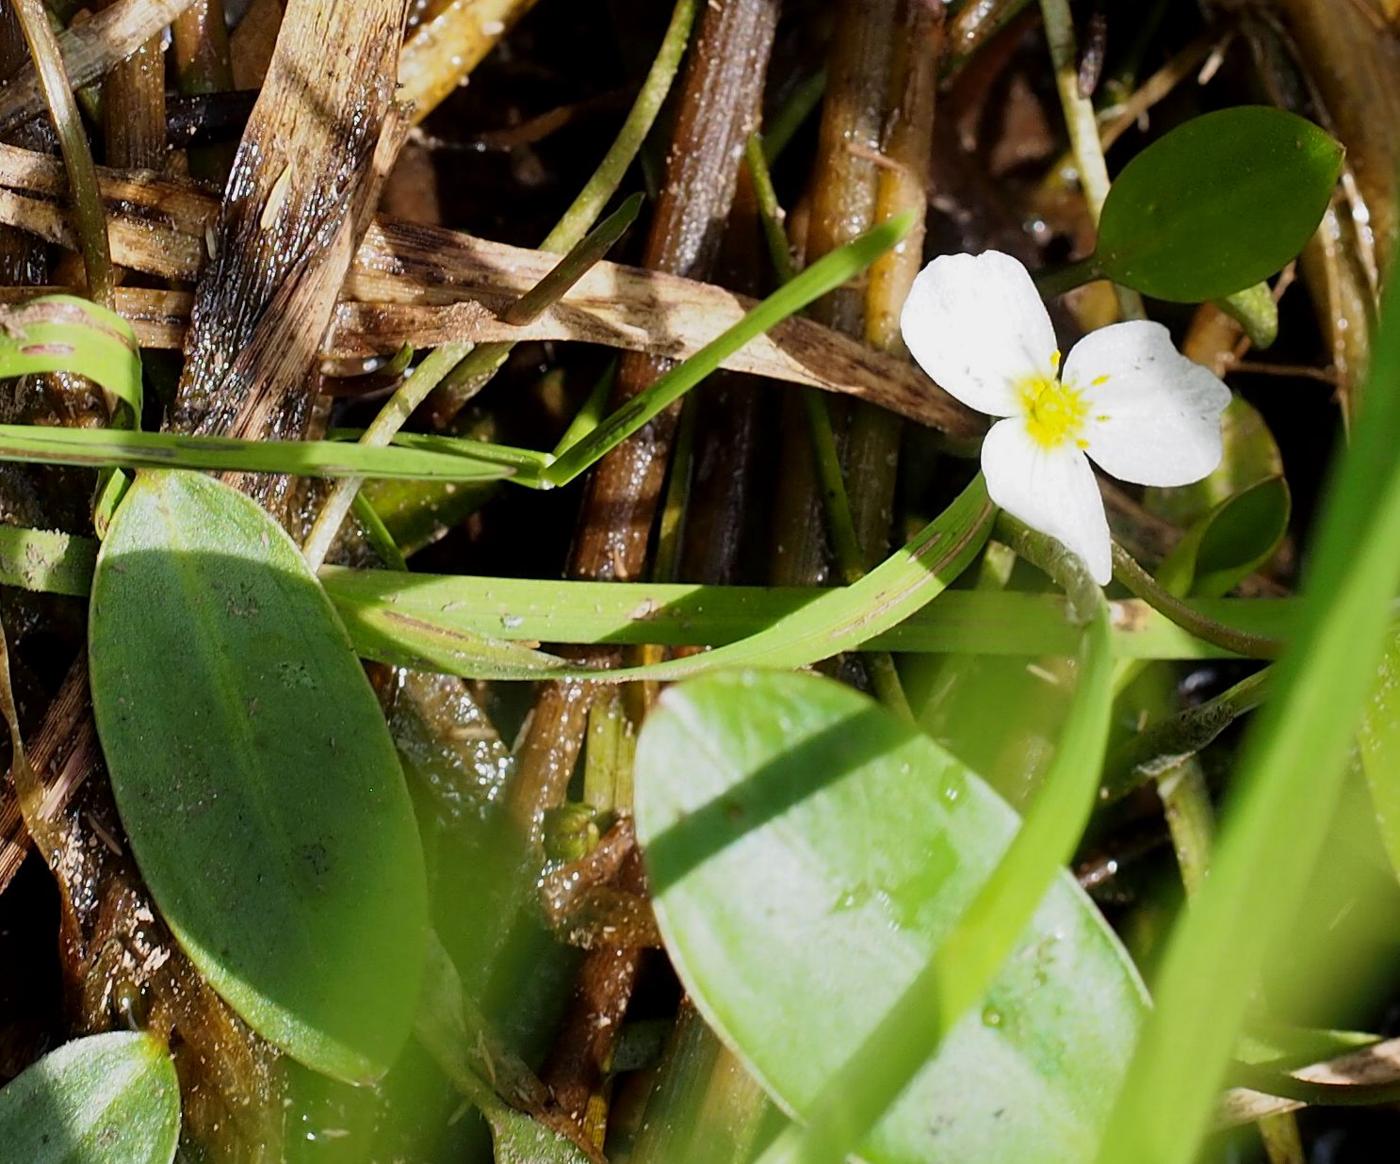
x=836, y=620
x=1380, y=746
x=62, y=333
x=445, y=620
x=105, y=1099
x=106, y=448
x=255, y=776
x=786, y=817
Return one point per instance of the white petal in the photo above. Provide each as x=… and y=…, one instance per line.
x=1052, y=490
x=1154, y=415
x=975, y=323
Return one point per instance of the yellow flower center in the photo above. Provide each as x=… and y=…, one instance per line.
x=1054, y=411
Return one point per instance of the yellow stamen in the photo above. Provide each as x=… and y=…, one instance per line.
x=1054, y=412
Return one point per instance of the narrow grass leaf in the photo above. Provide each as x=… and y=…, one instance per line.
x=834, y=621
x=105, y=1099
x=524, y=610
x=431, y=611
x=826, y=274
x=160, y=450
x=1380, y=746
x=1286, y=786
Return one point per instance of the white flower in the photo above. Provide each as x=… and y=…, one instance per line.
x=1125, y=397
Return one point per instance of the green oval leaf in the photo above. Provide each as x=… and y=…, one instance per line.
x=106, y=1099
x=1234, y=539
x=1217, y=204
x=255, y=776
x=787, y=818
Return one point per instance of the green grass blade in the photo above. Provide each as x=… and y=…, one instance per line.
x=515, y=610
x=834, y=621
x=158, y=450
x=574, y=265
x=62, y=333
x=1287, y=784
x=824, y=275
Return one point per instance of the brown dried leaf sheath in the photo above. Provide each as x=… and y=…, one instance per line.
x=425, y=285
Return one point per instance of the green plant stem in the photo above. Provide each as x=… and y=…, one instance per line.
x=830, y=271
x=1190, y=819
x=1155, y=752
x=461, y=370
x=381, y=541
x=1056, y=281
x=1083, y=127
x=443, y=361
x=665, y=565
x=841, y=526
x=91, y=219
x=477, y=367
x=573, y=266
x=789, y=118
x=1144, y=586
x=392, y=417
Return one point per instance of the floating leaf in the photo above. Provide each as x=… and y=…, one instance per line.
x=1218, y=204
x=106, y=1099
x=784, y=815
x=255, y=776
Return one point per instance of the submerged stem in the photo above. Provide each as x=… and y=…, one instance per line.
x=1144, y=586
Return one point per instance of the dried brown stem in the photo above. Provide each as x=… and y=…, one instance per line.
x=297, y=202
x=202, y=65
x=718, y=111
x=425, y=286
x=90, y=50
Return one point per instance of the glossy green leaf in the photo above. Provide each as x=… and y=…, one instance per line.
x=1217, y=204
x=255, y=776
x=1380, y=746
x=105, y=1099
x=786, y=817
x=1233, y=540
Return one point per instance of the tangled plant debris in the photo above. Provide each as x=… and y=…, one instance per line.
x=508, y=654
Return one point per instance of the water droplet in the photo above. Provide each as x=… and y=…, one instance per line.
x=991, y=1017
